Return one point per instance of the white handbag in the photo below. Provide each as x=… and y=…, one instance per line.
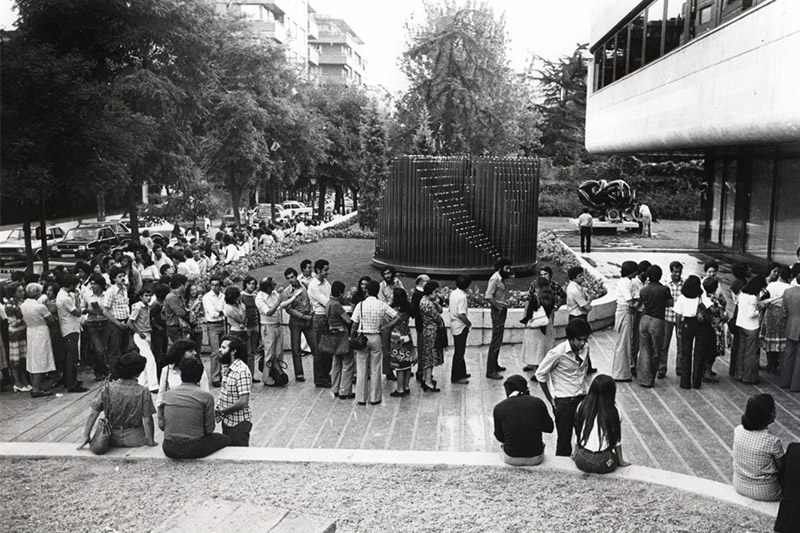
x=539, y=318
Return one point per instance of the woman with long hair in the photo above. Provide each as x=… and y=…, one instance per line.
x=235, y=313
x=360, y=294
x=194, y=304
x=747, y=320
x=539, y=340
x=343, y=364
x=597, y=428
x=711, y=329
x=403, y=355
x=252, y=318
x=171, y=373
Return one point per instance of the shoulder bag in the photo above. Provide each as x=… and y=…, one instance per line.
x=441, y=335
x=334, y=342
x=358, y=341
x=101, y=440
x=539, y=318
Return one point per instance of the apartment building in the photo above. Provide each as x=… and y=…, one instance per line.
x=324, y=46
x=718, y=77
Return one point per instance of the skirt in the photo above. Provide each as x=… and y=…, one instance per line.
x=772, y=329
x=536, y=343
x=40, y=351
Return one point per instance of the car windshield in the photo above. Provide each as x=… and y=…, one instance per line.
x=84, y=234
x=19, y=234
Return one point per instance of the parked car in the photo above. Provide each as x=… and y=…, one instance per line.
x=13, y=248
x=263, y=212
x=297, y=208
x=229, y=219
x=161, y=229
x=80, y=242
x=121, y=230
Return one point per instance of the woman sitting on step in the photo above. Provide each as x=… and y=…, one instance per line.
x=597, y=428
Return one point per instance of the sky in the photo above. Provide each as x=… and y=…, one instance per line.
x=547, y=28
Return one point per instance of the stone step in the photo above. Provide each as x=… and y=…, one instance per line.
x=237, y=517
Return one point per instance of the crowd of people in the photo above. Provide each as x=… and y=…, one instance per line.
x=140, y=316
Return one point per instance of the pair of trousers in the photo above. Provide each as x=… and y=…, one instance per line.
x=521, y=461
x=498, y=328
x=297, y=327
x=149, y=376
x=253, y=338
x=747, y=358
x=564, y=413
x=790, y=367
x=647, y=222
x=97, y=334
x=635, y=338
x=595, y=462
x=651, y=333
x=195, y=448
x=668, y=329
x=272, y=341
x=693, y=362
x=176, y=333
x=322, y=362
x=239, y=434
x=386, y=347
x=623, y=325
x=215, y=331
x=116, y=346
x=458, y=370
x=71, y=351
x=586, y=239
x=342, y=373
x=369, y=366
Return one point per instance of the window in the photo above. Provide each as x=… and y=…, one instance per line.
x=759, y=208
x=674, y=27
x=608, y=62
x=620, y=56
x=786, y=234
x=729, y=202
x=598, y=69
x=704, y=16
x=654, y=33
x=716, y=202
x=635, y=54
x=252, y=12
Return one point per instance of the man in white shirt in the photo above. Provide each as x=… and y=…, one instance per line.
x=459, y=326
x=69, y=318
x=563, y=376
x=585, y=223
x=371, y=317
x=319, y=292
x=497, y=294
x=189, y=266
x=306, y=272
x=268, y=302
x=647, y=220
x=231, y=250
x=160, y=258
x=214, y=314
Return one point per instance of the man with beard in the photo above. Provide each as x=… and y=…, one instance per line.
x=233, y=406
x=387, y=287
x=497, y=294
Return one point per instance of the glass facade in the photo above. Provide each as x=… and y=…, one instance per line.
x=657, y=29
x=786, y=234
x=751, y=204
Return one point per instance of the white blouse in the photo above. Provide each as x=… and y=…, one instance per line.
x=686, y=307
x=747, y=315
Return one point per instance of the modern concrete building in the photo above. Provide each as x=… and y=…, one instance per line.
x=719, y=77
x=341, y=59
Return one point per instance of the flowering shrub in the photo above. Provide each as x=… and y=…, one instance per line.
x=349, y=233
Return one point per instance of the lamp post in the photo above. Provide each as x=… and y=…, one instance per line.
x=313, y=180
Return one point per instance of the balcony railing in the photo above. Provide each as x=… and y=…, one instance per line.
x=272, y=29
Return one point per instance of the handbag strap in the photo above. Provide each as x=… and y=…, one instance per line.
x=361, y=322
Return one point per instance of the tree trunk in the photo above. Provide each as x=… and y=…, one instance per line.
x=43, y=229
x=101, y=206
x=321, y=204
x=133, y=209
x=26, y=231
x=338, y=202
x=354, y=193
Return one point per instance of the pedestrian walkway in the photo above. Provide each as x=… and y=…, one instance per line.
x=684, y=431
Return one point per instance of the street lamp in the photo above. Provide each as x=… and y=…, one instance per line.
x=313, y=180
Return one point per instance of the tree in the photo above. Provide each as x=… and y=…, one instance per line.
x=563, y=86
x=192, y=200
x=459, y=75
x=376, y=172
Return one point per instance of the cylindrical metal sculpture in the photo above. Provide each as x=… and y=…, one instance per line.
x=457, y=215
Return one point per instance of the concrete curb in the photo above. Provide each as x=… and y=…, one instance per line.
x=703, y=487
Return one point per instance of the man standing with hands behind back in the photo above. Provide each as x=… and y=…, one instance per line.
x=497, y=294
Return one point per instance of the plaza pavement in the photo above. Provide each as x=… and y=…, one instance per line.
x=687, y=432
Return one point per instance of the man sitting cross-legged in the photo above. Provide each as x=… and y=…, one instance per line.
x=187, y=417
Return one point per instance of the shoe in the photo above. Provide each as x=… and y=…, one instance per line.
x=462, y=381
x=677, y=371
x=256, y=381
x=300, y=378
x=78, y=388
x=391, y=377
x=426, y=388
x=375, y=403
x=633, y=371
x=406, y=392
x=661, y=375
x=351, y=396
x=41, y=394
x=494, y=375
x=501, y=368
x=397, y=394
x=645, y=386
x=591, y=370
x=628, y=380
x=335, y=394
x=362, y=403
x=529, y=368
x=710, y=379
x=216, y=384
x=467, y=376
x=26, y=388
x=713, y=374
x=322, y=385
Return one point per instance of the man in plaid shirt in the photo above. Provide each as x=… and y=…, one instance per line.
x=674, y=284
x=233, y=406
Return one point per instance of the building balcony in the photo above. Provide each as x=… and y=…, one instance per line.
x=279, y=7
x=313, y=56
x=732, y=85
x=272, y=29
x=340, y=59
x=313, y=29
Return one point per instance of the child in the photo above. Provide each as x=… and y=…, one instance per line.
x=139, y=324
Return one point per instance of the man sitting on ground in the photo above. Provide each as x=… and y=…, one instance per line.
x=187, y=417
x=519, y=422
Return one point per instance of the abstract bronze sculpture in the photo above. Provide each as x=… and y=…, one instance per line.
x=614, y=199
